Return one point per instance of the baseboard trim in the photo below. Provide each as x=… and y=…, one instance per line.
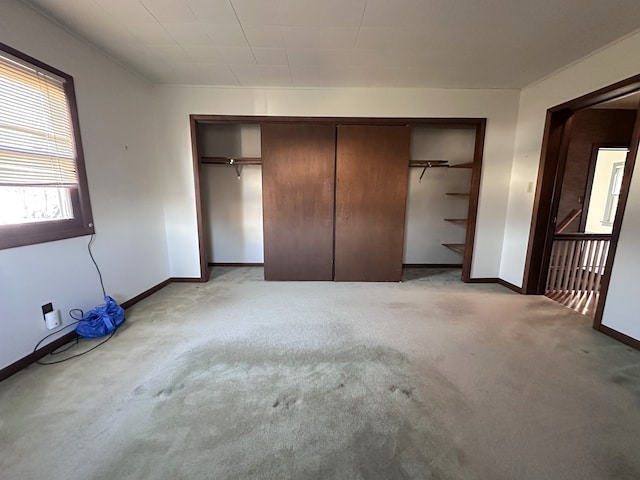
x=24, y=362
x=500, y=281
x=187, y=280
x=431, y=265
x=131, y=302
x=483, y=280
x=47, y=349
x=621, y=337
x=511, y=286
x=235, y=264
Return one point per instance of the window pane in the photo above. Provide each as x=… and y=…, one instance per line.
x=21, y=205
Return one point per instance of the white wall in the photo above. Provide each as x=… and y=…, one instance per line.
x=233, y=213
x=603, y=68
x=176, y=103
x=610, y=65
x=427, y=201
x=117, y=125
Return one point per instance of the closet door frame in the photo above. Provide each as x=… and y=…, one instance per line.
x=478, y=123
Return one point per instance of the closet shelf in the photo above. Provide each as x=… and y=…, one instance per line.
x=456, y=247
x=231, y=160
x=461, y=221
x=462, y=165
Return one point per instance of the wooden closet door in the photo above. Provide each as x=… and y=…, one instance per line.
x=372, y=165
x=298, y=183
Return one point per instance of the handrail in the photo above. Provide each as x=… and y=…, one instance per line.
x=573, y=214
x=582, y=236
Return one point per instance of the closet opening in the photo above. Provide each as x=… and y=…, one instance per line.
x=311, y=198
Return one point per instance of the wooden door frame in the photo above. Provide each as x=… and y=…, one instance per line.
x=554, y=150
x=478, y=123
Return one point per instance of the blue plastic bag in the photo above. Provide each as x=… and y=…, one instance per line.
x=102, y=320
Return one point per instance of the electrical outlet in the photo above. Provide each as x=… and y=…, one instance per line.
x=51, y=316
x=530, y=187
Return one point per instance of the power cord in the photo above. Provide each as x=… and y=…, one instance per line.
x=73, y=314
x=93, y=236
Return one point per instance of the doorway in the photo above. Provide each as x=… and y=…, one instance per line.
x=575, y=229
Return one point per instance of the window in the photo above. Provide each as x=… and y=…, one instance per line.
x=617, y=170
x=43, y=186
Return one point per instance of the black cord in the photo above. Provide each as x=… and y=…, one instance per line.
x=39, y=362
x=93, y=235
x=78, y=319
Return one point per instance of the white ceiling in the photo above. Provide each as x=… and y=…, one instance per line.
x=346, y=43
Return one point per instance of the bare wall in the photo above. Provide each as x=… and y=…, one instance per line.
x=116, y=114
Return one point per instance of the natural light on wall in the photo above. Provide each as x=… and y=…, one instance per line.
x=37, y=155
x=605, y=190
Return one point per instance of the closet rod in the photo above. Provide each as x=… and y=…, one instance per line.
x=231, y=160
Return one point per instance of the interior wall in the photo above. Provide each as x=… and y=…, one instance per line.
x=589, y=128
x=116, y=114
x=427, y=201
x=603, y=68
x=176, y=103
x=232, y=205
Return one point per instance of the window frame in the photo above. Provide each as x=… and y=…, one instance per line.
x=18, y=235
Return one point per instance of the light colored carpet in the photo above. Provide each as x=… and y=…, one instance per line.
x=245, y=379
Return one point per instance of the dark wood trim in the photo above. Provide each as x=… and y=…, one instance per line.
x=582, y=236
x=478, y=123
x=629, y=167
x=499, y=281
x=554, y=142
x=37, y=355
x=204, y=264
x=82, y=222
x=621, y=337
x=616, y=90
x=431, y=265
x=510, y=286
x=235, y=264
x=189, y=279
x=132, y=301
x=442, y=121
x=484, y=280
x=474, y=194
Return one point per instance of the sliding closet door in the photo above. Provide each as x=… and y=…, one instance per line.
x=372, y=165
x=298, y=182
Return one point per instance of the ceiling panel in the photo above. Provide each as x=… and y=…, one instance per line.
x=151, y=32
x=125, y=10
x=169, y=10
x=212, y=11
x=316, y=37
x=225, y=35
x=191, y=33
x=271, y=56
x=262, y=75
x=203, y=54
x=344, y=43
x=264, y=36
x=257, y=12
x=237, y=55
x=331, y=57
x=326, y=13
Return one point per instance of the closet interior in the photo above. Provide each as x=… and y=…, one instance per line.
x=339, y=199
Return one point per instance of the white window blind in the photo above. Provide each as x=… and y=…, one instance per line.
x=36, y=134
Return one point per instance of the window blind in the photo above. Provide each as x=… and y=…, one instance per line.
x=36, y=134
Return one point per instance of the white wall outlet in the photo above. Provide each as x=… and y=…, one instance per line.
x=51, y=316
x=52, y=319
